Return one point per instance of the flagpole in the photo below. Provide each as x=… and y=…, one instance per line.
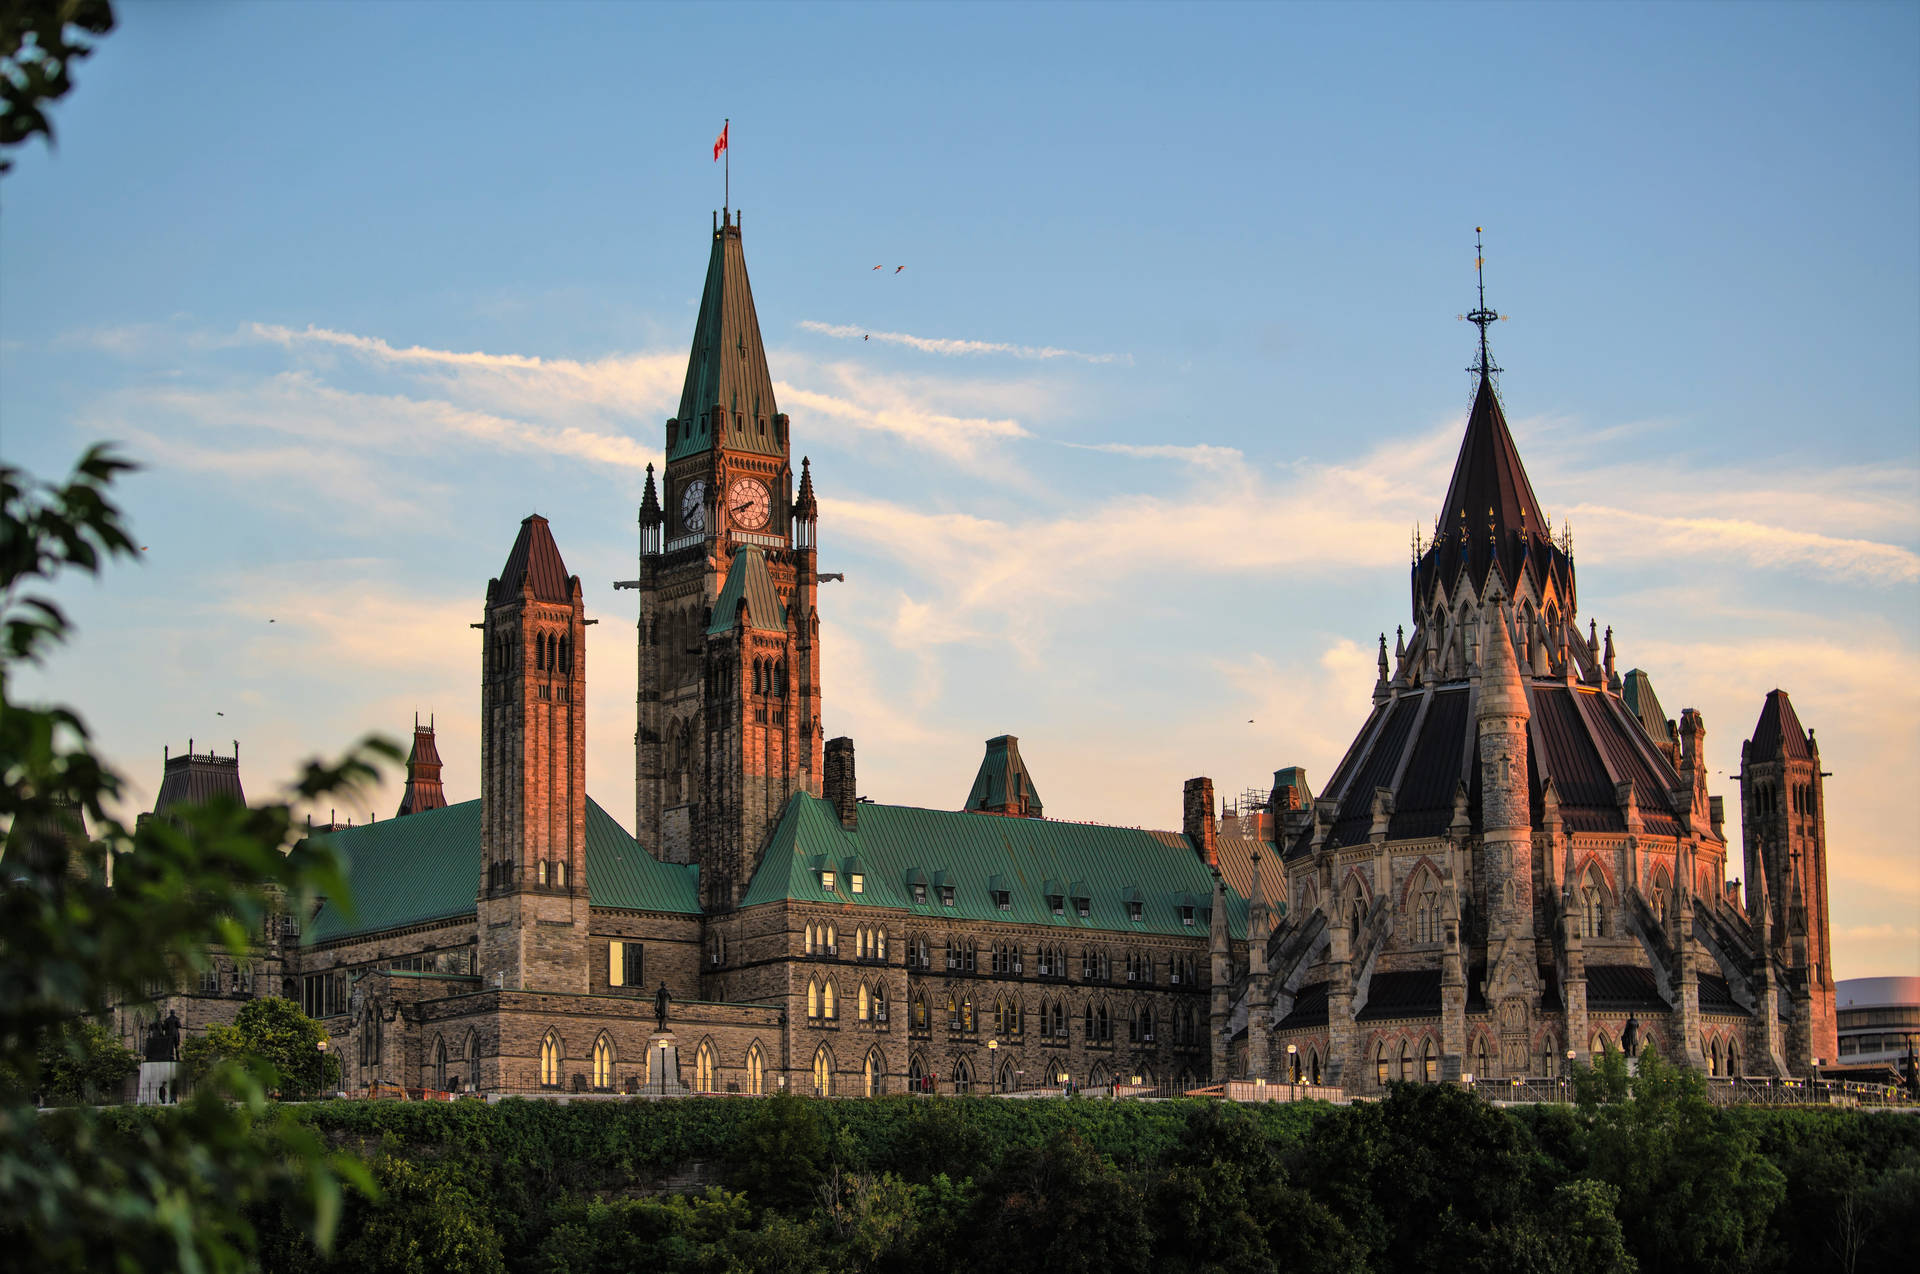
x=726, y=198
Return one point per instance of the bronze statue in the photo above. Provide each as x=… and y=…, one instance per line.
x=1630, y=1037
x=173, y=1036
x=660, y=1000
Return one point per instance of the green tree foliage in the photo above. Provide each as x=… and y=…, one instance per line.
x=80, y=1189
x=40, y=40
x=86, y=1062
x=1063, y=1209
x=274, y=1031
x=1695, y=1192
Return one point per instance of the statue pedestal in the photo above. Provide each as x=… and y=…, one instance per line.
x=153, y=1077
x=663, y=1066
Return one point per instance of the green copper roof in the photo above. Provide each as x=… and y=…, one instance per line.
x=1003, y=784
x=748, y=581
x=727, y=366
x=978, y=853
x=426, y=867
x=1637, y=692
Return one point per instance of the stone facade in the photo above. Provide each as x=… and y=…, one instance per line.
x=1512, y=863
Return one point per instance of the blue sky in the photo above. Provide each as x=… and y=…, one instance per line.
x=1134, y=455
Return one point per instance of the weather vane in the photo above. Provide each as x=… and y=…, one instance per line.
x=1482, y=317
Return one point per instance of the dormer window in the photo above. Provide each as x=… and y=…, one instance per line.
x=1057, y=904
x=857, y=882
x=919, y=893
x=946, y=895
x=1003, y=899
x=1083, y=906
x=1186, y=916
x=826, y=880
x=1135, y=910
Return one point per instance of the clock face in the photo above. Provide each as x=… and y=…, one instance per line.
x=749, y=503
x=693, y=508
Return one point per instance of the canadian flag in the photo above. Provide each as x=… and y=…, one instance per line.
x=720, y=142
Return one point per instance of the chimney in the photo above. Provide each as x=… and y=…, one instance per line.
x=1196, y=819
x=836, y=781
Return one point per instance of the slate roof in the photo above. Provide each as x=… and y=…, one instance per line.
x=1490, y=515
x=1309, y=1008
x=748, y=581
x=1716, y=996
x=198, y=777
x=426, y=867
x=1404, y=993
x=1003, y=782
x=1583, y=738
x=534, y=558
x=727, y=366
x=1637, y=694
x=1030, y=857
x=1779, y=726
x=1623, y=988
x=1235, y=855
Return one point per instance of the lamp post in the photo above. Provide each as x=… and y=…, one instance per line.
x=1567, y=1079
x=1293, y=1072
x=993, y=1072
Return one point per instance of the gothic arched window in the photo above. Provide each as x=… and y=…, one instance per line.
x=874, y=1074
x=1428, y=1063
x=703, y=1068
x=550, y=1061
x=822, y=1072
x=603, y=1062
x=756, y=1071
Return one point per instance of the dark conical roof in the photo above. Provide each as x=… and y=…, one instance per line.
x=650, y=514
x=535, y=558
x=1488, y=473
x=727, y=366
x=1491, y=514
x=1778, y=725
x=1003, y=785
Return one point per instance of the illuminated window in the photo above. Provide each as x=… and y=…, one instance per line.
x=822, y=1072
x=703, y=1068
x=550, y=1061
x=603, y=1063
x=756, y=1071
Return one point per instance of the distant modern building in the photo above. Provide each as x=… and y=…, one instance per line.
x=1517, y=858
x=1879, y=1020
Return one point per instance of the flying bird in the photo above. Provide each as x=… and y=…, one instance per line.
x=273, y=621
x=866, y=338
x=898, y=268
x=143, y=548
x=219, y=714
x=879, y=267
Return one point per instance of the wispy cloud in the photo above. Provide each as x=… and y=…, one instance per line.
x=1630, y=533
x=953, y=347
x=1201, y=454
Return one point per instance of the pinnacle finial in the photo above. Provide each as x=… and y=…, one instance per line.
x=1482, y=317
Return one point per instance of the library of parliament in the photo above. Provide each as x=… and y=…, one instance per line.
x=1516, y=865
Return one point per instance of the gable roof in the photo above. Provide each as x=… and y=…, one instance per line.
x=1028, y=856
x=534, y=558
x=727, y=366
x=426, y=867
x=748, y=581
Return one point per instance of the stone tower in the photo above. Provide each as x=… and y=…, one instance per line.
x=1784, y=821
x=533, y=861
x=1506, y=843
x=729, y=656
